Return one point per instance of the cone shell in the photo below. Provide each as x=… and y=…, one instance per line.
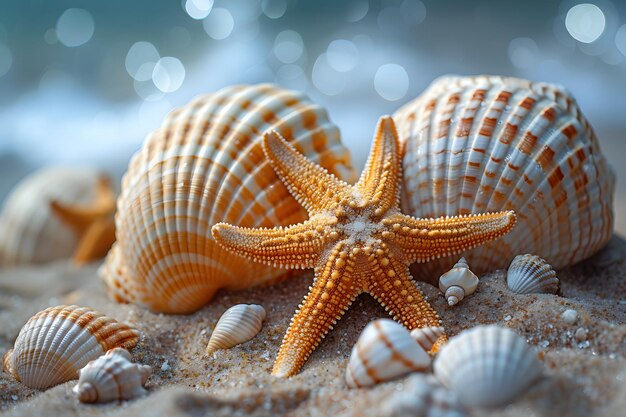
x=487, y=366
x=55, y=343
x=427, y=336
x=486, y=143
x=384, y=351
x=238, y=324
x=112, y=377
x=458, y=282
x=203, y=166
x=530, y=274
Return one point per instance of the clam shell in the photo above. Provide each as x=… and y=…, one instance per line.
x=427, y=336
x=487, y=366
x=530, y=274
x=238, y=324
x=55, y=343
x=384, y=351
x=458, y=282
x=206, y=165
x=487, y=143
x=111, y=377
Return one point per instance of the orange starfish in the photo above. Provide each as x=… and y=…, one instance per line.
x=356, y=239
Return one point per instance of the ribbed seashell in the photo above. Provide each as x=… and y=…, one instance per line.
x=384, y=351
x=238, y=324
x=458, y=282
x=113, y=376
x=488, y=143
x=31, y=232
x=487, y=366
x=58, y=341
x=206, y=165
x=531, y=274
x=427, y=336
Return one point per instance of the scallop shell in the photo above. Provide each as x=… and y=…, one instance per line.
x=487, y=143
x=112, y=377
x=458, y=282
x=530, y=274
x=55, y=343
x=487, y=366
x=238, y=324
x=384, y=351
x=427, y=336
x=203, y=166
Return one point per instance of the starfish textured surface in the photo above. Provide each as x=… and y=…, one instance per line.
x=357, y=240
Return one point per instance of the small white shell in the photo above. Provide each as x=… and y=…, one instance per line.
x=238, y=324
x=112, y=377
x=427, y=336
x=487, y=366
x=458, y=282
x=384, y=351
x=531, y=274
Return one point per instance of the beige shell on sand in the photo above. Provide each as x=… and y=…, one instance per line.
x=205, y=165
x=530, y=274
x=238, y=324
x=57, y=342
x=487, y=143
x=427, y=336
x=384, y=351
x=458, y=282
x=111, y=377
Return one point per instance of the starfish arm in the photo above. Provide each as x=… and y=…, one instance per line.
x=422, y=240
x=328, y=299
x=95, y=242
x=310, y=184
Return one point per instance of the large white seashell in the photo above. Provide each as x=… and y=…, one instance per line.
x=458, y=282
x=487, y=143
x=203, y=166
x=58, y=341
x=427, y=336
x=487, y=366
x=238, y=324
x=384, y=351
x=113, y=376
x=529, y=274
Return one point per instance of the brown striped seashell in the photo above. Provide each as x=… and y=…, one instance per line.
x=458, y=282
x=238, y=324
x=58, y=341
x=427, y=336
x=487, y=143
x=203, y=166
x=530, y=274
x=111, y=377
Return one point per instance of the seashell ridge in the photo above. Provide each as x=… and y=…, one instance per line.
x=531, y=274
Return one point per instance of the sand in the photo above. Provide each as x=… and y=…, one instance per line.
x=584, y=376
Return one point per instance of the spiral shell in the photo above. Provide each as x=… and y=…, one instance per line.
x=530, y=274
x=238, y=324
x=458, y=282
x=111, y=377
x=487, y=366
x=203, y=166
x=485, y=144
x=427, y=336
x=384, y=351
x=58, y=341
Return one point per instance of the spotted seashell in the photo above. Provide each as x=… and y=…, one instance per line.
x=206, y=165
x=238, y=324
x=530, y=274
x=487, y=143
x=487, y=366
x=458, y=282
x=55, y=343
x=111, y=377
x=384, y=351
x=427, y=336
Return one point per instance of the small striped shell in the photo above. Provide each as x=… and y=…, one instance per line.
x=487, y=366
x=458, y=282
x=384, y=351
x=57, y=342
x=203, y=166
x=238, y=324
x=487, y=143
x=113, y=376
x=427, y=336
x=530, y=274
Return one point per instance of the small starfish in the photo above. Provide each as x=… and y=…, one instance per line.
x=356, y=239
x=93, y=223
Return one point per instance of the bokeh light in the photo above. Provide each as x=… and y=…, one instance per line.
x=141, y=59
x=168, y=74
x=585, y=22
x=620, y=39
x=6, y=59
x=219, y=23
x=523, y=52
x=342, y=55
x=288, y=46
x=274, y=9
x=326, y=79
x=75, y=27
x=198, y=9
x=391, y=82
x=358, y=10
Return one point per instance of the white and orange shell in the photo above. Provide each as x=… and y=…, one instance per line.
x=384, y=351
x=203, y=166
x=458, y=282
x=238, y=324
x=531, y=274
x=488, y=143
x=427, y=336
x=57, y=342
x=112, y=377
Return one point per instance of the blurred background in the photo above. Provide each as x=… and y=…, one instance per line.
x=81, y=83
